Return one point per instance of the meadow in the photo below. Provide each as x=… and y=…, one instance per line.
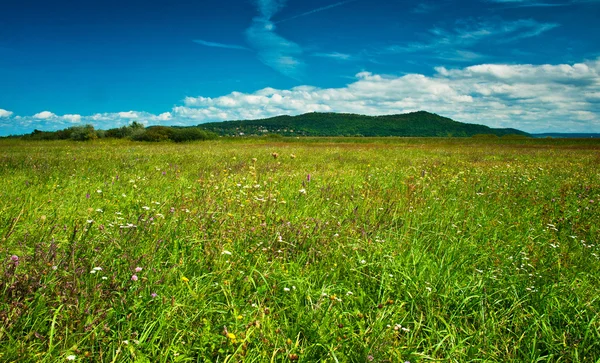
x=332, y=250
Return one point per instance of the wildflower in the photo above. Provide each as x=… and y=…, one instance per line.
x=349, y=293
x=184, y=279
x=154, y=295
x=225, y=252
x=138, y=269
x=308, y=178
x=134, y=278
x=14, y=258
x=71, y=357
x=99, y=210
x=104, y=277
x=370, y=358
x=99, y=191
x=302, y=191
x=286, y=289
x=363, y=261
x=54, y=268
x=231, y=336
x=97, y=269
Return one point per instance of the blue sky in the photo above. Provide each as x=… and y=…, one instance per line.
x=533, y=65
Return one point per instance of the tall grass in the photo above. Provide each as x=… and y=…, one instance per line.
x=387, y=251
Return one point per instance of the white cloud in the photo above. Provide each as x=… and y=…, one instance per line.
x=534, y=98
x=165, y=116
x=5, y=113
x=44, y=115
x=72, y=118
x=128, y=115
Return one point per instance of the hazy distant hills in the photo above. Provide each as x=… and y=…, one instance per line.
x=559, y=135
x=419, y=123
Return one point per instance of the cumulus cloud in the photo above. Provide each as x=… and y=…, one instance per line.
x=72, y=118
x=534, y=98
x=5, y=113
x=44, y=115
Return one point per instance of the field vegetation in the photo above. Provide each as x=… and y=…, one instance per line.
x=284, y=250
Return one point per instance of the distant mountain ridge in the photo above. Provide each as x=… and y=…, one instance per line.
x=415, y=124
x=572, y=135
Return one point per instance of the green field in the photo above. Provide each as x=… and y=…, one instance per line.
x=349, y=250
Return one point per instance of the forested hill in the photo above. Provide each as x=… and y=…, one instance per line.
x=419, y=123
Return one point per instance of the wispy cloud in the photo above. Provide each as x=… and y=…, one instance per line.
x=272, y=49
x=536, y=3
x=333, y=55
x=455, y=43
x=220, y=45
x=323, y=8
x=424, y=8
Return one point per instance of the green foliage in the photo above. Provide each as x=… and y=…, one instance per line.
x=485, y=136
x=82, y=133
x=129, y=131
x=338, y=124
x=155, y=134
x=191, y=134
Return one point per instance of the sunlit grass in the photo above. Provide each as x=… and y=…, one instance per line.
x=384, y=250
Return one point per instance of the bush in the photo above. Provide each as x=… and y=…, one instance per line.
x=514, y=137
x=82, y=133
x=485, y=136
x=191, y=134
x=154, y=134
x=135, y=129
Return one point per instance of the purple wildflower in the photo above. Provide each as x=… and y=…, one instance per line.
x=308, y=178
x=134, y=278
x=87, y=195
x=138, y=269
x=154, y=295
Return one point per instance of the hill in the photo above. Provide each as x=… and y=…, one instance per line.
x=559, y=135
x=419, y=123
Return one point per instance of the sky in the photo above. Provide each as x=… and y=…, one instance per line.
x=528, y=64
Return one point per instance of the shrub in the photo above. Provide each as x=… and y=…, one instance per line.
x=485, y=136
x=155, y=133
x=191, y=134
x=82, y=133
